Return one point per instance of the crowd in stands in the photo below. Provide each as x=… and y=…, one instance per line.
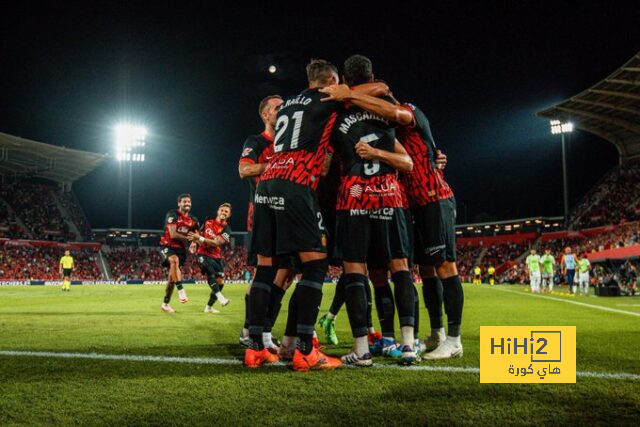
x=70, y=203
x=35, y=204
x=466, y=257
x=9, y=227
x=615, y=199
x=43, y=263
x=624, y=276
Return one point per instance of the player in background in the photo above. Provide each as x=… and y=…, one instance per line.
x=568, y=263
x=213, y=234
x=433, y=208
x=66, y=268
x=256, y=153
x=369, y=208
x=584, y=266
x=177, y=225
x=477, y=275
x=491, y=271
x=548, y=267
x=287, y=220
x=533, y=265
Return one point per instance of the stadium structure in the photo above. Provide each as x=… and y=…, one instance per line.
x=603, y=224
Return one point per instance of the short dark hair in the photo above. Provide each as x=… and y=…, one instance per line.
x=319, y=70
x=225, y=205
x=183, y=196
x=357, y=70
x=265, y=102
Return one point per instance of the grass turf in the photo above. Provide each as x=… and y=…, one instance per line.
x=127, y=320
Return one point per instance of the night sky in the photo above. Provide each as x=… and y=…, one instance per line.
x=194, y=76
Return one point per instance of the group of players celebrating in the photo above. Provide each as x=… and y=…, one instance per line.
x=345, y=174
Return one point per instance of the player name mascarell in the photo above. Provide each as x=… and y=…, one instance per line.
x=351, y=119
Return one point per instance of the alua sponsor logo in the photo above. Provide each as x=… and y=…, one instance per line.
x=380, y=189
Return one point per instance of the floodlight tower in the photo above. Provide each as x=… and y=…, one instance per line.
x=130, y=142
x=557, y=127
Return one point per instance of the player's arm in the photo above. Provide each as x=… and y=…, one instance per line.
x=398, y=159
x=326, y=165
x=60, y=265
x=374, y=105
x=246, y=169
x=376, y=89
x=173, y=233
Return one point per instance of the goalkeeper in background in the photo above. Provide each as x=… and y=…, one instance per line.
x=66, y=267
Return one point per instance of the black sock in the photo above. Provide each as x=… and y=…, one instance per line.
x=275, y=303
x=179, y=285
x=367, y=290
x=246, y=312
x=338, y=297
x=432, y=294
x=386, y=309
x=404, y=297
x=309, y=300
x=214, y=289
x=355, y=296
x=416, y=314
x=259, y=303
x=167, y=298
x=292, y=315
x=453, y=296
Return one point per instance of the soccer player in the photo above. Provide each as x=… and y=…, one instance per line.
x=548, y=267
x=214, y=233
x=491, y=271
x=433, y=208
x=287, y=220
x=177, y=225
x=369, y=206
x=256, y=152
x=583, y=274
x=568, y=263
x=66, y=267
x=477, y=275
x=533, y=264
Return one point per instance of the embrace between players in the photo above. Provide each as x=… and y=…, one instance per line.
x=345, y=174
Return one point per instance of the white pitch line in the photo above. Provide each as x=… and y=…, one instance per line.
x=597, y=307
x=235, y=362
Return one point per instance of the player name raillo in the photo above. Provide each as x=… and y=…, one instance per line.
x=298, y=100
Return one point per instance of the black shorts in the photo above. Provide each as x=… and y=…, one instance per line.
x=211, y=266
x=252, y=257
x=372, y=236
x=435, y=232
x=286, y=220
x=66, y=272
x=167, y=251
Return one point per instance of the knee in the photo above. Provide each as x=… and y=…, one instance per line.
x=400, y=264
x=447, y=269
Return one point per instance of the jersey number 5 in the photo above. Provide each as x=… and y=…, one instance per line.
x=281, y=127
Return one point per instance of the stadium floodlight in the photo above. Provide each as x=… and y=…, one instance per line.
x=130, y=143
x=558, y=127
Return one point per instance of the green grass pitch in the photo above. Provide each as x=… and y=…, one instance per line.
x=126, y=320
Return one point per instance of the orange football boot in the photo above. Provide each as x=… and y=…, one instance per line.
x=316, y=360
x=255, y=358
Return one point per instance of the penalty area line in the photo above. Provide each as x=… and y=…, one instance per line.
x=235, y=362
x=584, y=304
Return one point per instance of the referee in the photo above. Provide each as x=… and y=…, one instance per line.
x=66, y=267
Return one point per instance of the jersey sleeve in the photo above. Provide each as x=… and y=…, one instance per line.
x=226, y=233
x=171, y=217
x=250, y=151
x=196, y=226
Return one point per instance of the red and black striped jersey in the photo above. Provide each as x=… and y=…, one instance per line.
x=184, y=224
x=303, y=131
x=366, y=184
x=211, y=229
x=425, y=183
x=256, y=149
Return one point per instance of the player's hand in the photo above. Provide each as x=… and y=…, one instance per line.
x=365, y=151
x=336, y=93
x=193, y=236
x=441, y=159
x=193, y=247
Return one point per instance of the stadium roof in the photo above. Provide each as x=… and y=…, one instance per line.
x=609, y=109
x=21, y=157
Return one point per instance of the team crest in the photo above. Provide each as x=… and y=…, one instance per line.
x=356, y=191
